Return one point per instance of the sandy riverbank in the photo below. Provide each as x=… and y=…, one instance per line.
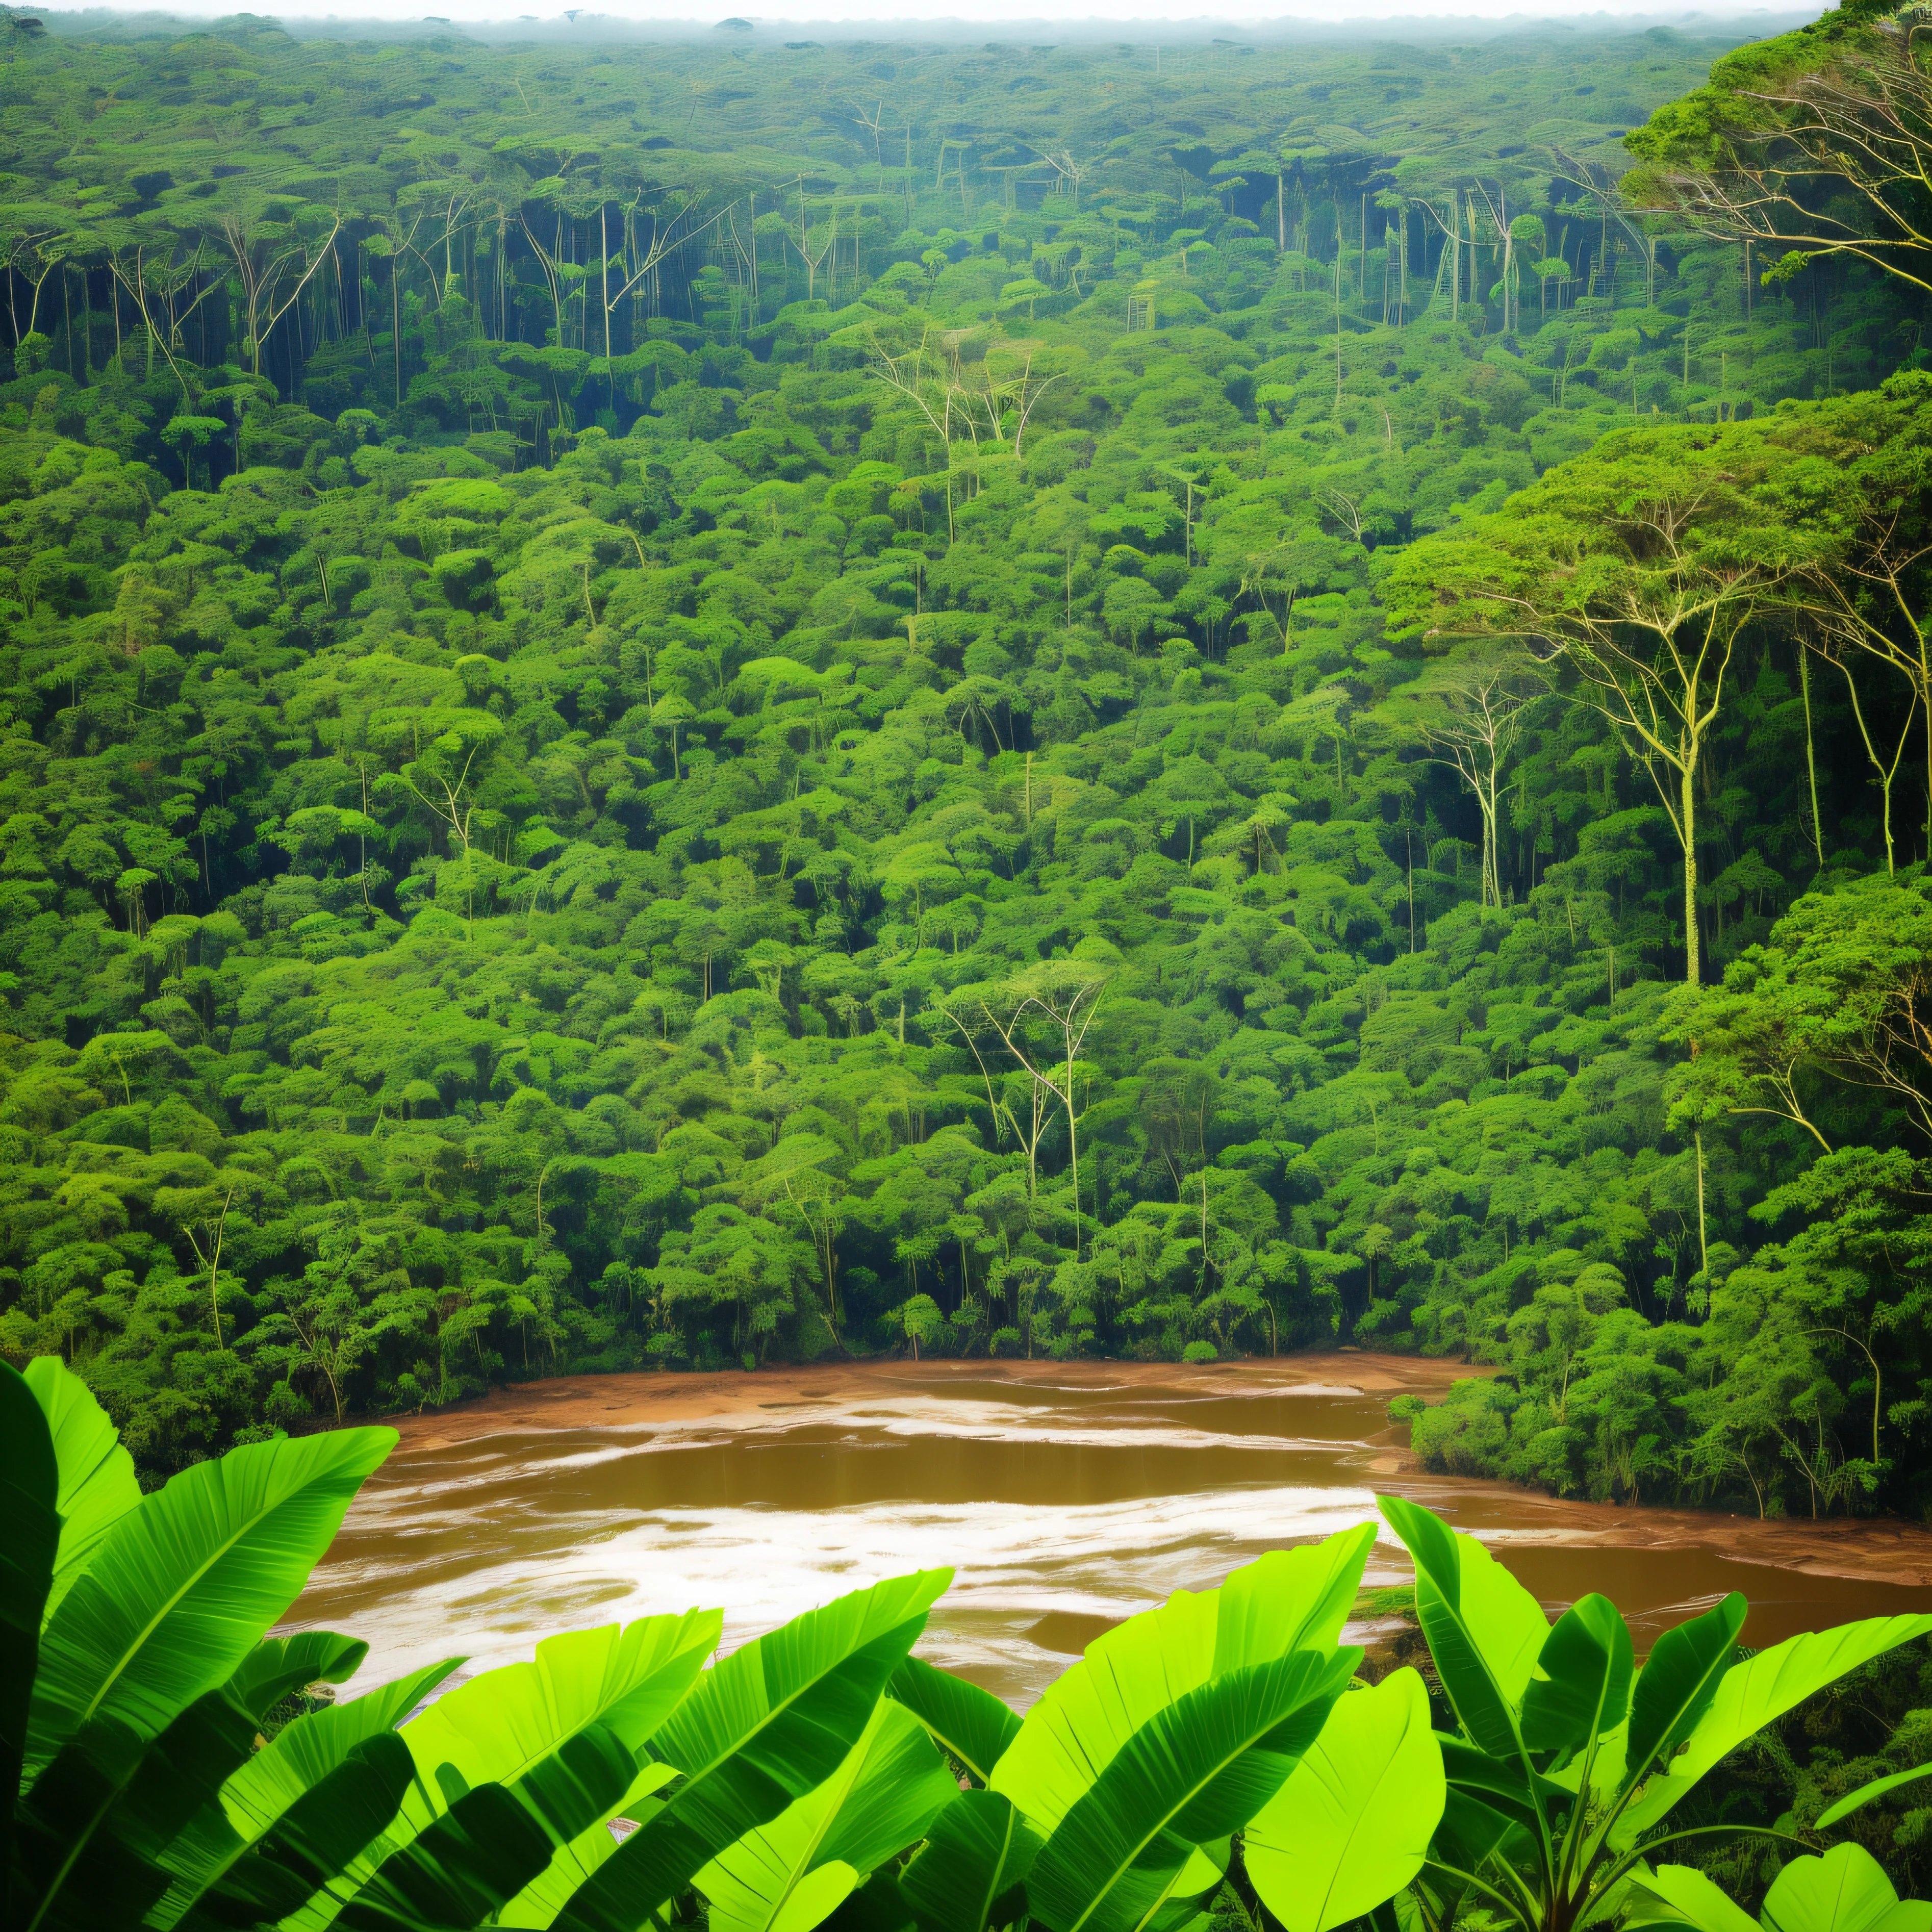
x=603, y=1402
x=1882, y=1551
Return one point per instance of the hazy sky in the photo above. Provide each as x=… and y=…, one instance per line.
x=1159, y=16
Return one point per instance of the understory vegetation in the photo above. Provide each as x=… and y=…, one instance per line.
x=697, y=705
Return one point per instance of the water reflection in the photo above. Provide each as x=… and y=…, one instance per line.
x=1063, y=1509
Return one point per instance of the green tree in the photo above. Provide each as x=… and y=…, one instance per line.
x=1642, y=568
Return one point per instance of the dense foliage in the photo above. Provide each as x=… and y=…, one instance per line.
x=821, y=1773
x=607, y=766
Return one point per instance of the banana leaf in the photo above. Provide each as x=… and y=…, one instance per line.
x=306, y=1751
x=97, y=1484
x=1845, y=1891
x=180, y=1588
x=1679, y=1683
x=496, y=1727
x=1580, y=1688
x=1290, y=1600
x=260, y=1793
x=969, y=1874
x=1352, y=1825
x=762, y=1727
x=493, y=1841
x=792, y=1873
x=973, y=1724
x=29, y=1489
x=1484, y=1629
x=1472, y=1832
x=311, y=1843
x=546, y=1895
x=875, y=1906
x=1503, y=1784
x=96, y=1828
x=628, y=1677
x=1196, y=1771
x=1746, y=1698
x=279, y=1664
x=67, y=1870
x=1854, y=1801
x=478, y=1853
x=1685, y=1897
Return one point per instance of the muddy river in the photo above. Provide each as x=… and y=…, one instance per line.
x=1065, y=1498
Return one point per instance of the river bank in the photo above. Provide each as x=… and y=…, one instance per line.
x=594, y=1402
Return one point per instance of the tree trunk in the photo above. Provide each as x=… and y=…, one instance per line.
x=1073, y=1147
x=1811, y=762
x=1488, y=805
x=1687, y=792
x=1925, y=702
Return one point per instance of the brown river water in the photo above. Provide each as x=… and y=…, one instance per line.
x=1066, y=1497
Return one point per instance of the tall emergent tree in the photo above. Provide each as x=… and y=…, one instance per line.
x=1640, y=567
x=1815, y=143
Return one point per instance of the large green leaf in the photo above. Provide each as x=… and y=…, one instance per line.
x=1485, y=1631
x=68, y=1869
x=762, y=1728
x=1291, y=1600
x=492, y=1841
x=966, y=1877
x=629, y=1677
x=1854, y=1801
x=1741, y=1703
x=1845, y=1891
x=496, y=1727
x=546, y=1895
x=97, y=1484
x=29, y=1538
x=1472, y=1833
x=1197, y=1770
x=1580, y=1687
x=1673, y=1691
x=182, y=1588
x=1686, y=1896
x=259, y=1796
x=973, y=1724
x=97, y=1827
x=1288, y=1599
x=1504, y=1784
x=478, y=1854
x=301, y=1755
x=1680, y=1680
x=313, y=1841
x=262, y=1677
x=1351, y=1826
x=790, y=1875
x=878, y=1905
